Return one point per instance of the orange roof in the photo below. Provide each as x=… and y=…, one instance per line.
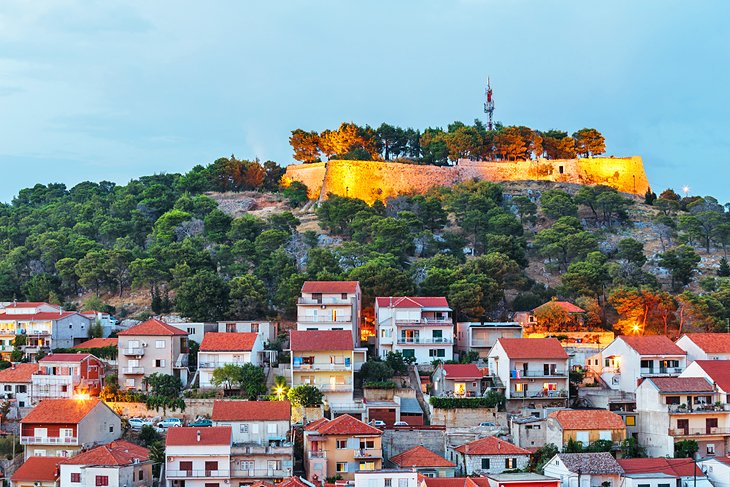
x=711, y=342
x=564, y=305
x=412, y=302
x=292, y=482
x=115, y=453
x=491, y=445
x=420, y=457
x=330, y=287
x=99, y=343
x=652, y=345
x=186, y=436
x=44, y=316
x=347, y=425
x=462, y=371
x=717, y=370
x=312, y=426
x=251, y=411
x=228, y=341
x=18, y=373
x=317, y=341
x=588, y=419
x=682, y=384
x=30, y=304
x=153, y=327
x=536, y=348
x=678, y=467
x=66, y=357
x=456, y=481
x=38, y=469
x=64, y=411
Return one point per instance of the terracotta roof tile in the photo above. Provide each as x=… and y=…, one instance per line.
x=591, y=463
x=113, y=454
x=64, y=411
x=65, y=357
x=678, y=467
x=717, y=370
x=251, y=411
x=98, y=343
x=462, y=371
x=536, y=348
x=652, y=345
x=564, y=305
x=682, y=384
x=30, y=304
x=491, y=445
x=420, y=457
x=711, y=342
x=292, y=482
x=456, y=482
x=153, y=327
x=347, y=425
x=186, y=436
x=315, y=340
x=19, y=373
x=228, y=341
x=40, y=469
x=313, y=425
x=412, y=302
x=44, y=316
x=588, y=419
x=330, y=287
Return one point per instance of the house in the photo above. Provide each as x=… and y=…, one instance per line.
x=480, y=337
x=330, y=305
x=629, y=358
x=387, y=478
x=585, y=426
x=269, y=331
x=37, y=472
x=119, y=463
x=219, y=349
x=97, y=343
x=532, y=371
x=585, y=470
x=418, y=327
x=459, y=380
x=489, y=455
x=715, y=371
x=456, y=482
x=672, y=409
x=27, y=307
x=522, y=479
x=717, y=470
x=705, y=346
x=198, y=457
x=61, y=427
x=108, y=322
x=151, y=347
x=65, y=375
x=42, y=330
x=528, y=432
x=660, y=472
x=16, y=383
x=425, y=462
x=341, y=446
x=195, y=331
x=570, y=313
x=261, y=447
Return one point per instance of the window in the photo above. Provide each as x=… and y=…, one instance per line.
x=244, y=428
x=21, y=404
x=111, y=429
x=211, y=466
x=630, y=420
x=8, y=388
x=343, y=296
x=140, y=475
x=159, y=343
x=212, y=484
x=186, y=466
x=102, y=480
x=604, y=435
x=436, y=352
x=341, y=467
x=191, y=331
x=129, y=382
x=647, y=364
x=22, y=389
x=402, y=482
x=438, y=334
x=271, y=428
x=582, y=436
x=485, y=463
x=520, y=387
x=367, y=465
x=159, y=362
x=64, y=388
x=662, y=485
x=76, y=477
x=367, y=444
x=341, y=445
x=510, y=463
x=608, y=362
x=710, y=449
x=672, y=399
x=247, y=464
x=408, y=352
x=388, y=482
x=66, y=432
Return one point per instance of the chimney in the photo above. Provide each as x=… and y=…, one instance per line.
x=198, y=436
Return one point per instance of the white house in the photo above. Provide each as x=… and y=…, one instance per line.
x=198, y=457
x=116, y=464
x=269, y=331
x=219, y=349
x=705, y=346
x=387, y=478
x=330, y=305
x=489, y=455
x=195, y=331
x=717, y=470
x=715, y=371
x=590, y=469
x=481, y=336
x=418, y=327
x=16, y=383
x=662, y=472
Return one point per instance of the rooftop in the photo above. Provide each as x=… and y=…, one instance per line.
x=61, y=411
x=591, y=463
x=652, y=345
x=320, y=340
x=29, y=304
x=228, y=341
x=18, y=373
x=711, y=342
x=677, y=467
x=38, y=469
x=491, y=445
x=588, y=419
x=682, y=384
x=187, y=436
x=533, y=348
x=717, y=371
x=564, y=305
x=456, y=481
x=251, y=410
x=153, y=327
x=65, y=357
x=346, y=425
x=116, y=453
x=521, y=477
x=462, y=371
x=44, y=316
x=420, y=457
x=98, y=343
x=413, y=302
x=330, y=287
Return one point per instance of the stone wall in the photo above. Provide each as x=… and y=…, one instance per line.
x=396, y=441
x=376, y=180
x=467, y=417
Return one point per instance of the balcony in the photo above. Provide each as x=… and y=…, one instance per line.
x=49, y=440
x=697, y=408
x=133, y=370
x=661, y=371
x=699, y=431
x=347, y=301
x=324, y=367
x=205, y=364
x=133, y=351
x=425, y=321
x=261, y=473
x=367, y=454
x=481, y=343
x=325, y=319
x=542, y=373
x=424, y=341
x=334, y=387
x=539, y=395
x=191, y=474
x=317, y=454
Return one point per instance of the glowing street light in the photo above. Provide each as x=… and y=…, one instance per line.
x=279, y=392
x=636, y=329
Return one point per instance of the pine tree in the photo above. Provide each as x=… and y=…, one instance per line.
x=649, y=197
x=724, y=270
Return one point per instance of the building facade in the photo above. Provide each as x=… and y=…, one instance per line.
x=330, y=305
x=66, y=375
x=489, y=455
x=198, y=457
x=116, y=464
x=220, y=349
x=585, y=426
x=705, y=346
x=480, y=337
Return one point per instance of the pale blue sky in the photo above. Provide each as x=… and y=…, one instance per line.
x=116, y=90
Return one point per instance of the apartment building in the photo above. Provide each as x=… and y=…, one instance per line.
x=418, y=327
x=220, y=349
x=67, y=375
x=489, y=455
x=423, y=461
x=198, y=457
x=480, y=337
x=16, y=384
x=330, y=305
x=151, y=347
x=705, y=346
x=585, y=426
x=269, y=331
x=119, y=463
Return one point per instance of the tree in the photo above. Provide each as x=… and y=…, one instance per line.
x=398, y=363
x=203, y=297
x=589, y=142
x=542, y=456
x=573, y=446
x=681, y=262
x=305, y=145
x=157, y=456
x=556, y=203
x=632, y=251
x=91, y=270
x=588, y=277
x=280, y=389
x=525, y=208
x=148, y=435
x=228, y=376
x=630, y=448
x=165, y=392
x=296, y=193
x=551, y=316
x=375, y=371
x=724, y=269
x=247, y=297
x=685, y=449
x=252, y=381
x=305, y=396
x=600, y=446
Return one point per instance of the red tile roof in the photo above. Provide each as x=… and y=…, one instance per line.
x=98, y=343
x=45, y=316
x=19, y=373
x=38, y=469
x=491, y=445
x=319, y=341
x=330, y=287
x=115, y=453
x=186, y=436
x=717, y=370
x=30, y=304
x=228, y=341
x=312, y=426
x=420, y=457
x=251, y=411
x=564, y=305
x=292, y=482
x=678, y=467
x=153, y=327
x=588, y=419
x=66, y=357
x=682, y=384
x=711, y=342
x=412, y=302
x=462, y=371
x=456, y=481
x=64, y=411
x=652, y=345
x=347, y=425
x=537, y=348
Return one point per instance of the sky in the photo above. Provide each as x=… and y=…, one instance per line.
x=106, y=90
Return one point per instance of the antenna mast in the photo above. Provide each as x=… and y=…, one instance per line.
x=489, y=106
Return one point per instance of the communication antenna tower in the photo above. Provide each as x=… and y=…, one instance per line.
x=489, y=106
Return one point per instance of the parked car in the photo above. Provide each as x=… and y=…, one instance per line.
x=400, y=423
x=488, y=424
x=137, y=423
x=169, y=423
x=201, y=423
x=377, y=423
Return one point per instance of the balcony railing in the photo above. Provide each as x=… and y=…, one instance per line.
x=334, y=387
x=481, y=343
x=324, y=301
x=538, y=395
x=198, y=474
x=133, y=351
x=374, y=454
x=216, y=364
x=133, y=370
x=697, y=408
x=317, y=454
x=542, y=373
x=325, y=367
x=661, y=371
x=698, y=431
x=424, y=341
x=260, y=472
x=49, y=440
x=425, y=321
x=324, y=319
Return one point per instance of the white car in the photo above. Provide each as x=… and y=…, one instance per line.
x=137, y=423
x=377, y=423
x=170, y=423
x=400, y=423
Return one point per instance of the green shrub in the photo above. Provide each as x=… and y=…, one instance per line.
x=491, y=400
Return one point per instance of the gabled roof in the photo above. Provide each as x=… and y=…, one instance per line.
x=98, y=343
x=652, y=345
x=327, y=287
x=711, y=342
x=717, y=370
x=65, y=357
x=29, y=304
x=566, y=306
x=294, y=482
x=456, y=481
x=346, y=425
x=491, y=445
x=228, y=341
x=681, y=384
x=412, y=302
x=153, y=327
x=588, y=419
x=18, y=373
x=38, y=469
x=187, y=436
x=44, y=316
x=678, y=467
x=537, y=348
x=591, y=463
x=251, y=410
x=320, y=340
x=116, y=453
x=420, y=457
x=62, y=411
x=312, y=426
x=462, y=371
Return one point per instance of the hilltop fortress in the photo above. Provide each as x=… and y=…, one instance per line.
x=378, y=180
